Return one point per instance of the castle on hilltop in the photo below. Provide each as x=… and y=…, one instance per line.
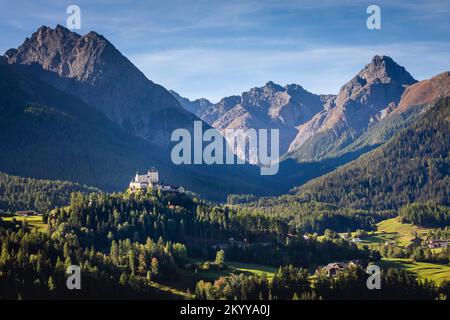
x=151, y=180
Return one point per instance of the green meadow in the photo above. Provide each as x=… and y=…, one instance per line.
x=423, y=270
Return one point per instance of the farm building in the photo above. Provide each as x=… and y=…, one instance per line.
x=437, y=243
x=333, y=269
x=27, y=213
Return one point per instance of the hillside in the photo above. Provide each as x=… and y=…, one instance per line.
x=53, y=116
x=48, y=134
x=92, y=69
x=412, y=166
x=17, y=193
x=415, y=100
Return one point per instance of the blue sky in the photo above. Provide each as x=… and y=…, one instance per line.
x=212, y=49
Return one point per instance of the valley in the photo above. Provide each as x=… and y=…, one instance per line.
x=362, y=179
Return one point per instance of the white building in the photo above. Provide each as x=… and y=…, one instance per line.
x=144, y=181
x=151, y=179
x=437, y=243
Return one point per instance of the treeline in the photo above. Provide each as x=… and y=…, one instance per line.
x=413, y=166
x=415, y=253
x=427, y=214
x=33, y=266
x=294, y=283
x=298, y=216
x=17, y=193
x=306, y=253
x=233, y=199
x=124, y=243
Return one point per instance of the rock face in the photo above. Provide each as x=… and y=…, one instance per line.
x=267, y=107
x=367, y=98
x=311, y=126
x=92, y=69
x=197, y=107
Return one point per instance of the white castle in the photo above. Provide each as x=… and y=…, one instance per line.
x=151, y=180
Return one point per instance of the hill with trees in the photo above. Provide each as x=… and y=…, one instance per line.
x=413, y=166
x=18, y=193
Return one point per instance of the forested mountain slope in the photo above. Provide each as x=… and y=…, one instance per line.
x=48, y=134
x=17, y=193
x=412, y=166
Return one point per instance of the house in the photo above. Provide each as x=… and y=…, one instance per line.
x=231, y=243
x=333, y=269
x=357, y=240
x=27, y=213
x=438, y=243
x=344, y=236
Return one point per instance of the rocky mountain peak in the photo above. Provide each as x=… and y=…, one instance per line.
x=92, y=69
x=270, y=85
x=370, y=95
x=293, y=87
x=84, y=58
x=261, y=97
x=385, y=69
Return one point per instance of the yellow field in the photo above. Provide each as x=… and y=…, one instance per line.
x=402, y=232
x=33, y=221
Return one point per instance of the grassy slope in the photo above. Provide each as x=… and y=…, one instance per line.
x=189, y=278
x=402, y=232
x=392, y=230
x=423, y=270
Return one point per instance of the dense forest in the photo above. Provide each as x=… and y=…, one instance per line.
x=17, y=193
x=426, y=215
x=127, y=243
x=33, y=266
x=301, y=216
x=131, y=241
x=412, y=166
x=98, y=219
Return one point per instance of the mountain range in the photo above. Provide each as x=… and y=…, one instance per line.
x=74, y=108
x=382, y=98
